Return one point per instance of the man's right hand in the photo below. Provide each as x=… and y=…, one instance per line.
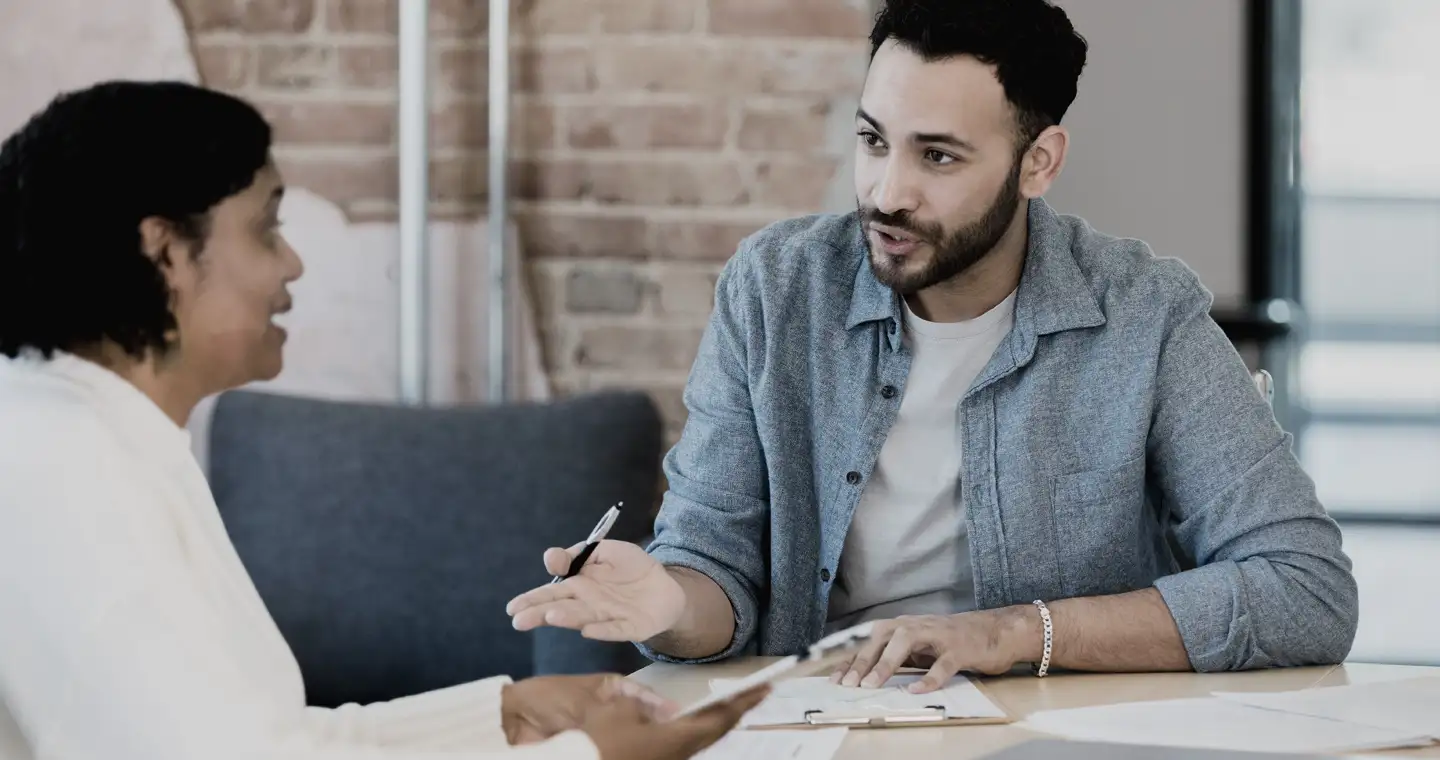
x=622, y=594
x=626, y=730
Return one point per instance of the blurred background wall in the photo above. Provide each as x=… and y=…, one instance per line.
x=649, y=136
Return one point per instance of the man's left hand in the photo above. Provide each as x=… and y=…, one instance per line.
x=536, y=709
x=989, y=642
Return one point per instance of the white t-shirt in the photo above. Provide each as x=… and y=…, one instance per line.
x=907, y=551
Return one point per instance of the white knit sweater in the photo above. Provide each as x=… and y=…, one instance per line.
x=129, y=630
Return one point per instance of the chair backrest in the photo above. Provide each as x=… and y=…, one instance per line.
x=1265, y=384
x=387, y=540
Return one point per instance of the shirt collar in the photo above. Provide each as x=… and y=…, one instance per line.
x=870, y=300
x=1053, y=295
x=118, y=400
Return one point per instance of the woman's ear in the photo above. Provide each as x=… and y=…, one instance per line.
x=155, y=239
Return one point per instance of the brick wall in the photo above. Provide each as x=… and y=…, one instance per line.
x=649, y=136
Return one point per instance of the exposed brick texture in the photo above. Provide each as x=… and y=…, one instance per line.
x=845, y=19
x=648, y=137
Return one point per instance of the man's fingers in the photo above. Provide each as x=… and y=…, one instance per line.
x=944, y=668
x=529, y=618
x=610, y=630
x=866, y=657
x=538, y=596
x=890, y=661
x=841, y=670
x=567, y=613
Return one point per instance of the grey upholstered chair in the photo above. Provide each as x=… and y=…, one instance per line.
x=386, y=540
x=1264, y=383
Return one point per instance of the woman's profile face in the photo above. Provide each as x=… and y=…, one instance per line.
x=226, y=297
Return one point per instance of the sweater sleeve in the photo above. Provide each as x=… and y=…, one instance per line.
x=467, y=715
x=464, y=716
x=113, y=645
x=162, y=694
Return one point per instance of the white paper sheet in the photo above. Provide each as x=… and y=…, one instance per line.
x=1211, y=722
x=791, y=698
x=1409, y=706
x=819, y=744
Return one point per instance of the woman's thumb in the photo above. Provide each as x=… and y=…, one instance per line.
x=711, y=724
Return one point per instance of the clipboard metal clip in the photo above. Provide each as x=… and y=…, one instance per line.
x=925, y=716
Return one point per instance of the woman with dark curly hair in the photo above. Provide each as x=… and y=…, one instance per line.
x=141, y=268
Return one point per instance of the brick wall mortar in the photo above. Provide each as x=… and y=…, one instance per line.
x=616, y=201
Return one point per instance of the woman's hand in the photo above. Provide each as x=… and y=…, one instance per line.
x=625, y=730
x=538, y=708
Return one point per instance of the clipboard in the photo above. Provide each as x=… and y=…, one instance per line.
x=933, y=716
x=827, y=652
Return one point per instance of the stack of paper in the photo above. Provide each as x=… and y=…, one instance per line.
x=1214, y=723
x=790, y=699
x=1410, y=706
x=819, y=744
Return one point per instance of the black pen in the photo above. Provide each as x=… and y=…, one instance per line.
x=597, y=535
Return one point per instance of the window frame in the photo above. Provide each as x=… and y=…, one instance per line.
x=1275, y=252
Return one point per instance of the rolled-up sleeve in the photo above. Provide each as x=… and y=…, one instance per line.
x=1271, y=584
x=715, y=512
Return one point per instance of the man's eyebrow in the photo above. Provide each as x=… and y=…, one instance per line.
x=944, y=138
x=868, y=119
x=941, y=138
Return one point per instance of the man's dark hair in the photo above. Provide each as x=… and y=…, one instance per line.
x=1036, y=52
x=75, y=182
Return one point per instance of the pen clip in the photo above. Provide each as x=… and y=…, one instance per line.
x=601, y=530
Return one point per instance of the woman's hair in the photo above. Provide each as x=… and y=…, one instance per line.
x=76, y=181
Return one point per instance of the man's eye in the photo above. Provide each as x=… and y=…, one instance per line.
x=937, y=157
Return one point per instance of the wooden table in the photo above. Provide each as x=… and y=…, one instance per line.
x=1022, y=694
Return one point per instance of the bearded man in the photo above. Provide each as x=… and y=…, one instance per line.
x=1000, y=434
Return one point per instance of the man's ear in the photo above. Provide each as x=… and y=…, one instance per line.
x=1044, y=161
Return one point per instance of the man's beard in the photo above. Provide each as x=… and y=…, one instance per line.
x=954, y=253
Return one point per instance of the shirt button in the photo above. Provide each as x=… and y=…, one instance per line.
x=825, y=574
x=887, y=392
x=852, y=477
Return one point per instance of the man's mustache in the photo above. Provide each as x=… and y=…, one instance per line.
x=929, y=233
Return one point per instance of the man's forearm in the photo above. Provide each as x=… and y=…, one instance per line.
x=1131, y=632
x=708, y=624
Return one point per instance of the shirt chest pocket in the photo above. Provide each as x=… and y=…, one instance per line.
x=1101, y=537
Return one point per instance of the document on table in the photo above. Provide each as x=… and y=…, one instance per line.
x=1215, y=723
x=818, y=744
x=1409, y=706
x=790, y=699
